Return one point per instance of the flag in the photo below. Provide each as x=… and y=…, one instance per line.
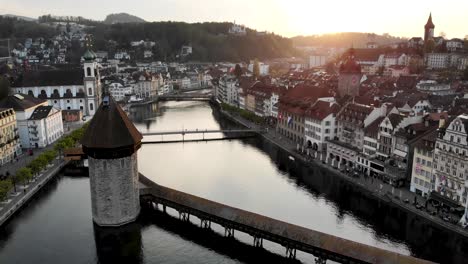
x=289, y=120
x=280, y=116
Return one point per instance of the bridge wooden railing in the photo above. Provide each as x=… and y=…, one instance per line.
x=291, y=236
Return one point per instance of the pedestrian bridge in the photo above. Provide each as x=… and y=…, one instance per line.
x=185, y=97
x=292, y=237
x=201, y=131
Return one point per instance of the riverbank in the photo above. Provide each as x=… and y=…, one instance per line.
x=372, y=188
x=24, y=193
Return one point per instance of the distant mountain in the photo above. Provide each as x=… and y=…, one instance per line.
x=122, y=18
x=20, y=17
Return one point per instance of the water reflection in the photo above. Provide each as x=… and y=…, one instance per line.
x=118, y=245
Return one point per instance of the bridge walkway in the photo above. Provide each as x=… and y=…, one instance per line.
x=292, y=237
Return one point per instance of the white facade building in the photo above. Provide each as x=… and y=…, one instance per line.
x=76, y=93
x=45, y=126
x=320, y=125
x=317, y=60
x=451, y=162
x=118, y=91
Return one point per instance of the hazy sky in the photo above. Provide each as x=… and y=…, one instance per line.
x=285, y=17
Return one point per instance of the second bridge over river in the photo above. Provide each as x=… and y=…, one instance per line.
x=229, y=134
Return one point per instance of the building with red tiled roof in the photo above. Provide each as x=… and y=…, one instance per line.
x=320, y=124
x=292, y=107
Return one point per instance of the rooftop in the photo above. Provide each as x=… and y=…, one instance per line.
x=110, y=128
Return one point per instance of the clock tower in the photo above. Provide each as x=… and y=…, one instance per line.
x=349, y=79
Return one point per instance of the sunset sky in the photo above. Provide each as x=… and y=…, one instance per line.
x=285, y=17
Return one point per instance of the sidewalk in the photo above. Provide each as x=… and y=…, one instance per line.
x=376, y=187
x=24, y=159
x=23, y=193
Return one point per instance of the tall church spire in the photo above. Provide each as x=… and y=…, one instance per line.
x=429, y=29
x=429, y=23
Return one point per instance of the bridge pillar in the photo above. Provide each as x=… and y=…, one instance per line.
x=290, y=252
x=258, y=242
x=164, y=208
x=228, y=232
x=205, y=224
x=184, y=216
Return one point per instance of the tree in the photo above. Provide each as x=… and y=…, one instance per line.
x=23, y=175
x=256, y=68
x=442, y=34
x=238, y=71
x=4, y=87
x=5, y=188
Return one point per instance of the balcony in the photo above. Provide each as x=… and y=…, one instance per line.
x=34, y=139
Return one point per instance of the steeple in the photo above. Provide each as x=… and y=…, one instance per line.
x=429, y=29
x=429, y=23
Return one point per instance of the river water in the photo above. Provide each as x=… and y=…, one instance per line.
x=251, y=174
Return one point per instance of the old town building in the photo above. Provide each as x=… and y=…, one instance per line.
x=9, y=136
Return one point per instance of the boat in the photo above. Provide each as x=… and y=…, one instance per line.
x=292, y=158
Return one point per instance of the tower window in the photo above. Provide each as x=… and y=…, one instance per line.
x=88, y=71
x=91, y=107
x=90, y=91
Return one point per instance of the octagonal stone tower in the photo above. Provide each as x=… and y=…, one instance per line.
x=111, y=143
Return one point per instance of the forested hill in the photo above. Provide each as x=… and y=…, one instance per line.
x=344, y=40
x=122, y=18
x=210, y=41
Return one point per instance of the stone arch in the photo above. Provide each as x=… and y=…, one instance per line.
x=315, y=146
x=43, y=94
x=68, y=93
x=309, y=144
x=30, y=93
x=55, y=94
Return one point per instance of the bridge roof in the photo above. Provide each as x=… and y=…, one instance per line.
x=110, y=128
x=337, y=245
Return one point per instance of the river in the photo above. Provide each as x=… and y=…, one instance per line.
x=251, y=174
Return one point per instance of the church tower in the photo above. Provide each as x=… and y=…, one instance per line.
x=349, y=79
x=91, y=82
x=111, y=143
x=429, y=29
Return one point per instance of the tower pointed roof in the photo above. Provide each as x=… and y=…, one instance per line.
x=110, y=130
x=429, y=23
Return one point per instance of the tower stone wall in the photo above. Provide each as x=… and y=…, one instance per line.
x=114, y=190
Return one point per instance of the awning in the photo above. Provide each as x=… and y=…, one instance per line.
x=400, y=153
x=444, y=200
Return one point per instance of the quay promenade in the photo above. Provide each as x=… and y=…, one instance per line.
x=24, y=193
x=374, y=188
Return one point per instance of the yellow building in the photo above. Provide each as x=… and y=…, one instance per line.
x=9, y=136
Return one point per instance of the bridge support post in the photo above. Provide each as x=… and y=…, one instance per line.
x=205, y=224
x=228, y=232
x=290, y=252
x=258, y=242
x=164, y=208
x=320, y=260
x=184, y=216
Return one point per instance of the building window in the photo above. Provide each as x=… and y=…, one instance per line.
x=90, y=91
x=88, y=71
x=91, y=107
x=68, y=101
